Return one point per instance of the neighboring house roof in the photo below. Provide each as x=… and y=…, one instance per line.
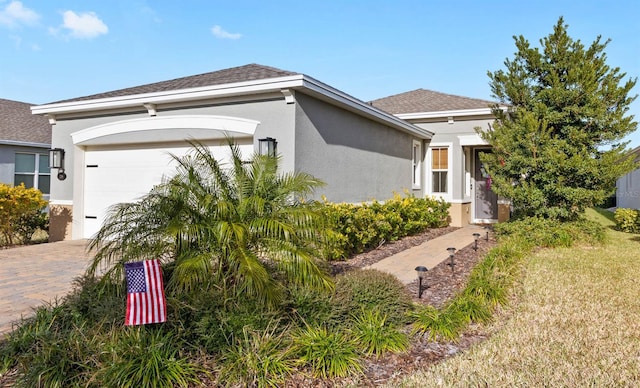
x=18, y=126
x=238, y=81
x=422, y=101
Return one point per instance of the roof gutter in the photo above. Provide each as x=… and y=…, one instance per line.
x=297, y=82
x=448, y=113
x=24, y=144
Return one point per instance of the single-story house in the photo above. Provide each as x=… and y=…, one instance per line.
x=628, y=187
x=454, y=171
x=25, y=140
x=116, y=145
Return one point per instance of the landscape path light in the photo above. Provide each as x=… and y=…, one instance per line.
x=451, y=263
x=476, y=236
x=422, y=272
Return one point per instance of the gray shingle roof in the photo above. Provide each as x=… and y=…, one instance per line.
x=422, y=100
x=244, y=73
x=18, y=124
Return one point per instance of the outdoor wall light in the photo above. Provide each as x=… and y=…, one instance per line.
x=476, y=236
x=267, y=146
x=422, y=272
x=451, y=263
x=56, y=160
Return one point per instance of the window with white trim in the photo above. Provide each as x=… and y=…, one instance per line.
x=416, y=164
x=439, y=169
x=32, y=170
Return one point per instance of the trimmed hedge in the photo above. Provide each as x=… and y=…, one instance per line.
x=361, y=227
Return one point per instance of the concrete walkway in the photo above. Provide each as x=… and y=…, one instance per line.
x=33, y=275
x=429, y=254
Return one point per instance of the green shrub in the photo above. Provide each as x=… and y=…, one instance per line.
x=222, y=327
x=51, y=349
x=144, y=357
x=258, y=359
x=327, y=353
x=375, y=336
x=549, y=233
x=30, y=222
x=15, y=203
x=95, y=301
x=627, y=220
x=312, y=307
x=365, y=226
x=370, y=289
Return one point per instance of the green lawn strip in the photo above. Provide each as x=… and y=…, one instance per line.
x=576, y=324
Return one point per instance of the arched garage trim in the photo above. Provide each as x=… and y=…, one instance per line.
x=165, y=128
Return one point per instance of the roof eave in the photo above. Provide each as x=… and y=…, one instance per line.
x=448, y=113
x=170, y=96
x=24, y=143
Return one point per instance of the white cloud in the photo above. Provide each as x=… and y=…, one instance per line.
x=85, y=25
x=15, y=14
x=220, y=33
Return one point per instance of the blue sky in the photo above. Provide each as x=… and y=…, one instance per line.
x=54, y=50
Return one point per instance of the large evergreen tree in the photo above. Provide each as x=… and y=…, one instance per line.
x=557, y=148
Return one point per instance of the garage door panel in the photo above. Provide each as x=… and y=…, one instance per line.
x=125, y=175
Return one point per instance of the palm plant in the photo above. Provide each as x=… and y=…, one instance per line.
x=241, y=225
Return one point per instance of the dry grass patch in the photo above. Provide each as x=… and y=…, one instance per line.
x=577, y=324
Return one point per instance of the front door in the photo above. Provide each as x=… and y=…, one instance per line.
x=486, y=201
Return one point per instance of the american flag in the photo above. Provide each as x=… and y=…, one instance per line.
x=146, y=302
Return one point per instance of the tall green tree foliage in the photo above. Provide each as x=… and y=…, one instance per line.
x=242, y=227
x=557, y=148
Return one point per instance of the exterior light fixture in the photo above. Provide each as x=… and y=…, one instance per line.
x=451, y=263
x=486, y=237
x=422, y=272
x=56, y=160
x=268, y=146
x=476, y=236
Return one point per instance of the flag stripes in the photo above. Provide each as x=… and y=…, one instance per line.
x=146, y=301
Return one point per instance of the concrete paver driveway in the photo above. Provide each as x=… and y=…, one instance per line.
x=36, y=274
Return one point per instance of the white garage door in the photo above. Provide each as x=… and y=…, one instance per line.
x=124, y=175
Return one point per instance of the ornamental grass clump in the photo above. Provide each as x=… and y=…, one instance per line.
x=375, y=336
x=257, y=359
x=145, y=357
x=435, y=324
x=327, y=353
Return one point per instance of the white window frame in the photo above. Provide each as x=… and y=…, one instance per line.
x=416, y=164
x=36, y=173
x=448, y=195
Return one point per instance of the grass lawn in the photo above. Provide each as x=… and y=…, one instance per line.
x=576, y=323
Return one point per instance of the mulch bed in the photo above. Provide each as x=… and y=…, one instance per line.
x=443, y=285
